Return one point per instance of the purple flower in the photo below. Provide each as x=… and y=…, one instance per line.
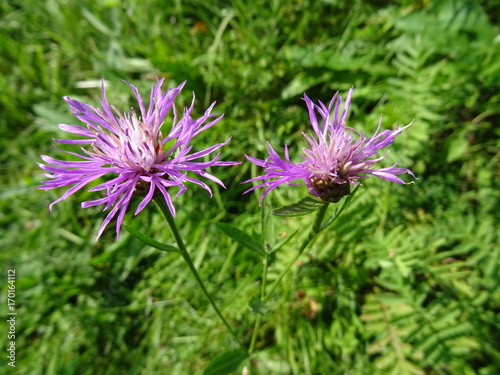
x=336, y=158
x=132, y=151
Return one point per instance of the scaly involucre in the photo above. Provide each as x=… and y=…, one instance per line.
x=337, y=157
x=132, y=152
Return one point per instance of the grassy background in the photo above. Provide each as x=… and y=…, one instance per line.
x=407, y=282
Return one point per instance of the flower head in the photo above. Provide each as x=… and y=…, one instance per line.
x=337, y=156
x=131, y=149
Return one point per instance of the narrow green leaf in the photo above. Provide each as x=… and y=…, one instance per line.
x=148, y=240
x=242, y=238
x=302, y=207
x=226, y=363
x=97, y=23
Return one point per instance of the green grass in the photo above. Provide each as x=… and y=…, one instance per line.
x=406, y=281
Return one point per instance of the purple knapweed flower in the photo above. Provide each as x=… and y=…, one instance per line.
x=131, y=149
x=337, y=157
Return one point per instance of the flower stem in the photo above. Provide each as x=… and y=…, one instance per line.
x=339, y=210
x=259, y=316
x=314, y=230
x=185, y=254
x=317, y=227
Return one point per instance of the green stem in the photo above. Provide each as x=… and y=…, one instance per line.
x=259, y=316
x=339, y=210
x=185, y=254
x=317, y=227
x=314, y=230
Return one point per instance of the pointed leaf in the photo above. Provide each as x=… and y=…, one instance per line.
x=242, y=238
x=302, y=207
x=148, y=240
x=226, y=363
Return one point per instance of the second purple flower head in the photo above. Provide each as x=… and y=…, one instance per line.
x=336, y=158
